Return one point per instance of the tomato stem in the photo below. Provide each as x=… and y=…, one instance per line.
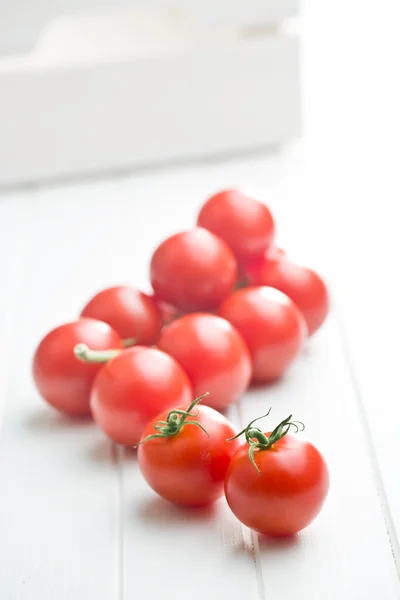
x=176, y=420
x=85, y=354
x=128, y=342
x=258, y=440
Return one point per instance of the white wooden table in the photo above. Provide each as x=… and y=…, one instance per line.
x=76, y=519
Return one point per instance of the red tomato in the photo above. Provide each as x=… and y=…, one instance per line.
x=283, y=488
x=271, y=325
x=180, y=461
x=134, y=387
x=63, y=380
x=212, y=353
x=304, y=286
x=274, y=252
x=244, y=223
x=130, y=312
x=193, y=270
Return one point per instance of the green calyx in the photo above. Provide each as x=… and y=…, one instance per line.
x=258, y=440
x=176, y=420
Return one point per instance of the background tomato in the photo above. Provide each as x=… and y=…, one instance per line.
x=284, y=492
x=193, y=270
x=213, y=354
x=189, y=467
x=270, y=324
x=130, y=312
x=132, y=388
x=63, y=380
x=244, y=223
x=303, y=285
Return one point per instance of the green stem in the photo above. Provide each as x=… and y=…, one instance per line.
x=85, y=354
x=176, y=420
x=260, y=441
x=128, y=342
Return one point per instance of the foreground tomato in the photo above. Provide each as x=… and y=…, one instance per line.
x=132, y=388
x=130, y=312
x=270, y=324
x=62, y=380
x=193, y=270
x=276, y=483
x=304, y=286
x=184, y=454
x=213, y=354
x=244, y=223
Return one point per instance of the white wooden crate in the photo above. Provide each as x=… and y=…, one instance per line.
x=22, y=22
x=183, y=97
x=107, y=92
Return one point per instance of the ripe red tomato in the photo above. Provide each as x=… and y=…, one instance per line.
x=182, y=462
x=283, y=488
x=63, y=380
x=304, y=286
x=244, y=223
x=134, y=387
x=270, y=324
x=212, y=353
x=193, y=270
x=130, y=312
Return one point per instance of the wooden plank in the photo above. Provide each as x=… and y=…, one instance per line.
x=89, y=235
x=342, y=552
x=182, y=553
x=336, y=556
x=59, y=501
x=354, y=191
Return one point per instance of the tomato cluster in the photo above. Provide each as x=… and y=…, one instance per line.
x=227, y=309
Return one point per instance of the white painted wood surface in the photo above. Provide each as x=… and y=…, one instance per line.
x=76, y=520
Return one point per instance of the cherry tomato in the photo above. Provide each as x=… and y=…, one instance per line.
x=193, y=270
x=62, y=380
x=132, y=388
x=212, y=353
x=244, y=223
x=130, y=312
x=184, y=454
x=270, y=324
x=304, y=286
x=274, y=252
x=276, y=487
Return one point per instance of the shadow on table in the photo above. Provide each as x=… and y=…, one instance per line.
x=159, y=511
x=42, y=421
x=271, y=545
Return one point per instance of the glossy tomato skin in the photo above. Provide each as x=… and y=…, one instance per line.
x=270, y=324
x=189, y=468
x=244, y=223
x=288, y=493
x=303, y=285
x=193, y=270
x=213, y=354
x=132, y=388
x=130, y=312
x=63, y=380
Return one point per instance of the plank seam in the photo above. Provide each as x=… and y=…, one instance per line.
x=374, y=461
x=255, y=548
